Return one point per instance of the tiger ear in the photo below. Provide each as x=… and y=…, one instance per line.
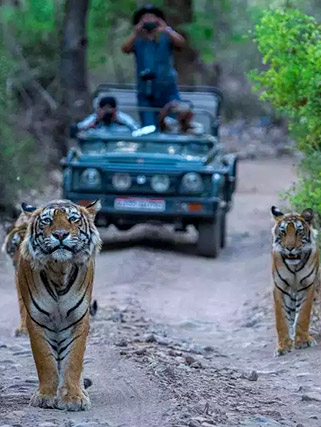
x=28, y=209
x=307, y=215
x=93, y=208
x=276, y=213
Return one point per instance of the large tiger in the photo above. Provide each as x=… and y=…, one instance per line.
x=55, y=277
x=295, y=269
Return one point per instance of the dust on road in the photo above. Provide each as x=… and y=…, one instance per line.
x=179, y=340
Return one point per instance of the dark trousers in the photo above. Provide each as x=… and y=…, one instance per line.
x=159, y=101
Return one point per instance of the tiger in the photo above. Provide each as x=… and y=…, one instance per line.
x=55, y=277
x=11, y=247
x=295, y=271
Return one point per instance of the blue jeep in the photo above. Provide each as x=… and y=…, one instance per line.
x=148, y=176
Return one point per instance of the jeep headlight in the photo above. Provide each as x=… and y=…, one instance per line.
x=192, y=182
x=90, y=178
x=160, y=183
x=122, y=181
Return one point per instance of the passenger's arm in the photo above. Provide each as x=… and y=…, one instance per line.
x=128, y=46
x=88, y=122
x=176, y=38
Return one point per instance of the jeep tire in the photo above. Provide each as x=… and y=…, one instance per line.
x=209, y=239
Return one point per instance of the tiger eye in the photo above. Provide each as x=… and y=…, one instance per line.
x=45, y=221
x=74, y=219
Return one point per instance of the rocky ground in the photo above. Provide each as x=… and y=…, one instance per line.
x=179, y=340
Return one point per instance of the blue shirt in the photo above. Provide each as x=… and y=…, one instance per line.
x=157, y=56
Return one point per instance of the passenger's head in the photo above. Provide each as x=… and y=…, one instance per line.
x=107, y=109
x=148, y=14
x=184, y=114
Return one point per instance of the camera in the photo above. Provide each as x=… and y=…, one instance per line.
x=150, y=26
x=147, y=75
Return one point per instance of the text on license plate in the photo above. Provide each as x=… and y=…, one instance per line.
x=139, y=204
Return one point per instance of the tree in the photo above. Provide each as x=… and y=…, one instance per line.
x=73, y=67
x=179, y=16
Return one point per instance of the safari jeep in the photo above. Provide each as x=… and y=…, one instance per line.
x=147, y=176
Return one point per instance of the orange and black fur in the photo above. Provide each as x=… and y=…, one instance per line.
x=295, y=269
x=55, y=278
x=11, y=247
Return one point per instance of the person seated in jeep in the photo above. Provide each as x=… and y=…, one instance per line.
x=183, y=124
x=107, y=115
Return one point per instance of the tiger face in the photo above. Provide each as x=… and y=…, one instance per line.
x=293, y=235
x=61, y=231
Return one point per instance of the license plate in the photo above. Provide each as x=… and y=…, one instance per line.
x=139, y=204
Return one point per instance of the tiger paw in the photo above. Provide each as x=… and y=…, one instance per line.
x=284, y=348
x=305, y=342
x=43, y=400
x=73, y=401
x=21, y=332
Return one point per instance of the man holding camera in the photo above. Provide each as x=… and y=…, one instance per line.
x=152, y=42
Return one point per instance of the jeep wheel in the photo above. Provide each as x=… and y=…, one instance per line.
x=209, y=239
x=223, y=230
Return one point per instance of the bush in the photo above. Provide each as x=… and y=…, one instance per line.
x=290, y=42
x=18, y=163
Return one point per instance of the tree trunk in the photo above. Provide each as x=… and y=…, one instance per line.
x=179, y=14
x=73, y=66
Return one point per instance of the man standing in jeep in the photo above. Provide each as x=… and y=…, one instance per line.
x=152, y=42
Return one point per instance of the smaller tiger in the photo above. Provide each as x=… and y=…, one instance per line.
x=295, y=270
x=11, y=247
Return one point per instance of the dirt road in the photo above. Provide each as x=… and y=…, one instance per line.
x=179, y=340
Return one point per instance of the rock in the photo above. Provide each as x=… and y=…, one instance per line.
x=313, y=417
x=18, y=413
x=22, y=353
x=141, y=352
x=208, y=349
x=162, y=340
x=48, y=424
x=16, y=347
x=193, y=348
x=194, y=423
x=3, y=345
x=91, y=424
x=174, y=353
x=122, y=343
x=190, y=360
x=156, y=338
x=253, y=376
x=118, y=317
x=150, y=338
x=259, y=422
x=313, y=396
x=196, y=365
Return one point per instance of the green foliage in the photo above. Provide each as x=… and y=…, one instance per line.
x=289, y=41
x=17, y=160
x=307, y=193
x=107, y=22
x=32, y=31
x=290, y=44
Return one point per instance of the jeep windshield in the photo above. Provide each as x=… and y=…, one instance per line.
x=156, y=143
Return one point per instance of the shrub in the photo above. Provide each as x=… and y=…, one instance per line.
x=17, y=152
x=290, y=42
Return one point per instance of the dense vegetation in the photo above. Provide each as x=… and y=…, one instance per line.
x=35, y=110
x=290, y=43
